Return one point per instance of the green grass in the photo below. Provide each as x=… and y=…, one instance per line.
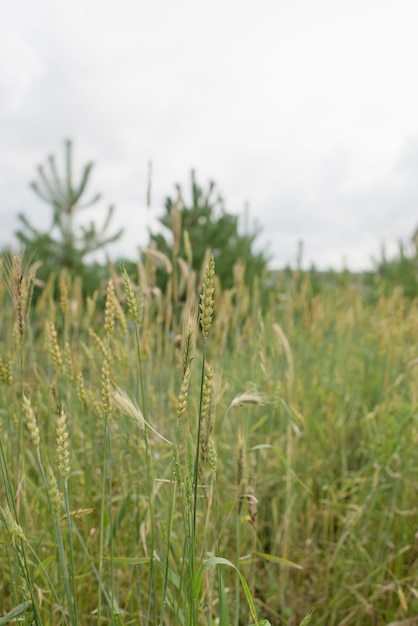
x=261, y=470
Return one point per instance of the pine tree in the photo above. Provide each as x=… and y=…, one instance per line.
x=209, y=227
x=64, y=244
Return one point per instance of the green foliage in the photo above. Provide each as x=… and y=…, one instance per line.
x=209, y=227
x=64, y=244
x=401, y=271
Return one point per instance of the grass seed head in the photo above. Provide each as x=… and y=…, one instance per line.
x=20, y=283
x=98, y=341
x=31, y=422
x=17, y=278
x=106, y=388
x=63, y=289
x=81, y=390
x=207, y=390
x=109, y=322
x=121, y=317
x=68, y=363
x=240, y=463
x=14, y=281
x=189, y=335
x=177, y=468
x=207, y=298
x=54, y=348
x=54, y=492
x=249, y=397
x=124, y=403
x=15, y=530
x=63, y=445
x=212, y=456
x=91, y=302
x=6, y=370
x=131, y=300
x=182, y=397
x=28, y=288
x=252, y=506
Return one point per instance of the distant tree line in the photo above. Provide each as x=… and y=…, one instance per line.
x=191, y=225
x=190, y=228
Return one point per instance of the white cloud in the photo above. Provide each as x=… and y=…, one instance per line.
x=305, y=110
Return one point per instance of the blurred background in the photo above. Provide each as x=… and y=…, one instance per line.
x=303, y=113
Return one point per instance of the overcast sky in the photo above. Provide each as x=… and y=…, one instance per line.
x=307, y=110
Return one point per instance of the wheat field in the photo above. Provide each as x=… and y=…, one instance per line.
x=206, y=456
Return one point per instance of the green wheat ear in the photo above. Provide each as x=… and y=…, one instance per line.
x=54, y=492
x=31, y=422
x=131, y=302
x=54, y=348
x=106, y=391
x=207, y=298
x=14, y=529
x=109, y=322
x=63, y=445
x=182, y=397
